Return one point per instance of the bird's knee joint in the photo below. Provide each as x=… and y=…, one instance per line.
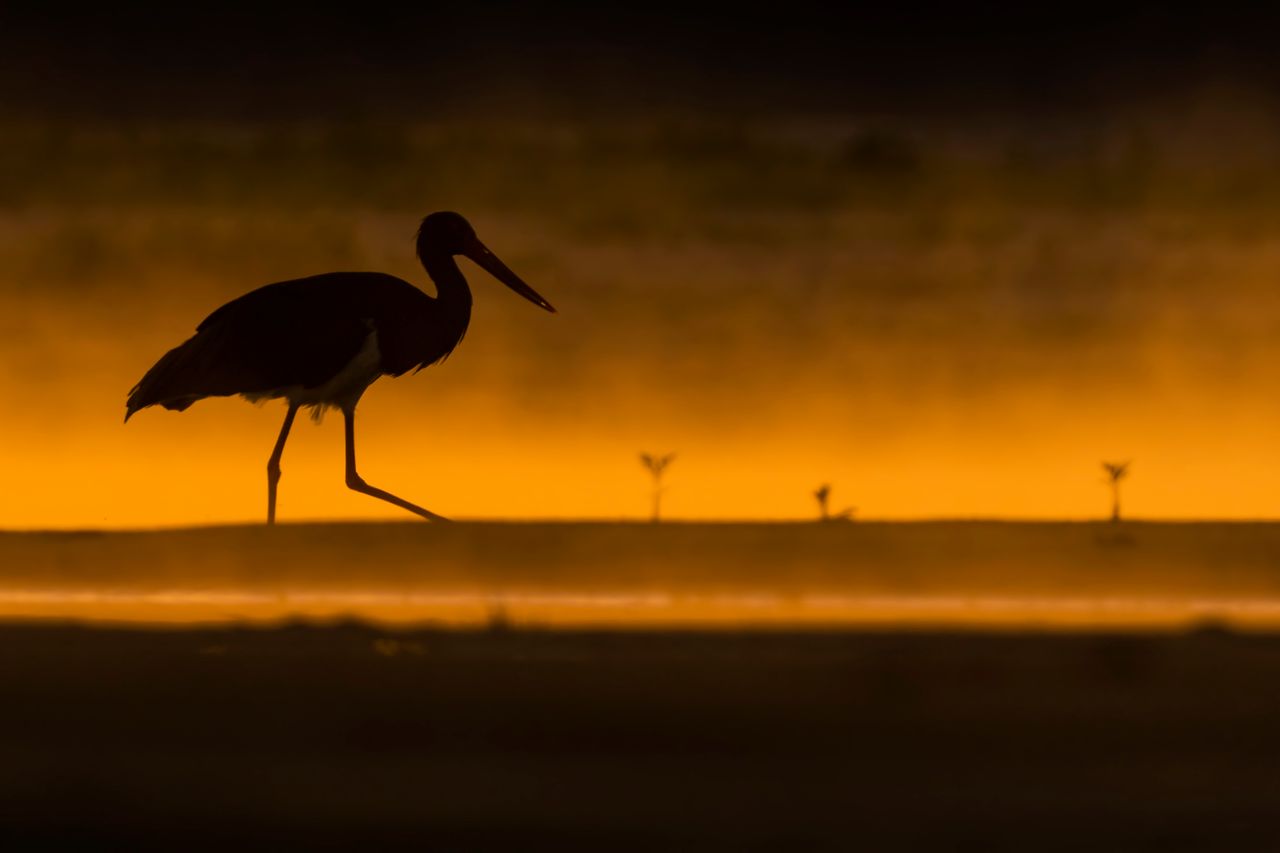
x=273, y=469
x=355, y=481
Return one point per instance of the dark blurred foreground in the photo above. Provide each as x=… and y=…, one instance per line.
x=346, y=736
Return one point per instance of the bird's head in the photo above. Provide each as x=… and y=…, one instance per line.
x=449, y=233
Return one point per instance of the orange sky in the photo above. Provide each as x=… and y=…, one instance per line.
x=969, y=342
x=206, y=465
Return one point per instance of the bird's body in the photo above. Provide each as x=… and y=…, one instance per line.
x=318, y=341
x=322, y=341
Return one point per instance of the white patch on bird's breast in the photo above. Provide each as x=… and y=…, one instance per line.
x=346, y=386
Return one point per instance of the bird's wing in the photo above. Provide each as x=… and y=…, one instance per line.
x=286, y=334
x=262, y=348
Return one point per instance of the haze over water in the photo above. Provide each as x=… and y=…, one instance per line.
x=968, y=337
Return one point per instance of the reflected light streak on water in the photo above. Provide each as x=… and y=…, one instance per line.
x=542, y=609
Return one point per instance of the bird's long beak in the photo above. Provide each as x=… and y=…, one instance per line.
x=489, y=262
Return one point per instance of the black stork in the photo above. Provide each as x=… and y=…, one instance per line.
x=321, y=341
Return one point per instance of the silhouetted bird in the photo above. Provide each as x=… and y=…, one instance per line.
x=321, y=341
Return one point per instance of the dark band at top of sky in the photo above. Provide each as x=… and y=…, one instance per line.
x=183, y=59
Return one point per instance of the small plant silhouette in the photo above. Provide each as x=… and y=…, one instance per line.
x=823, y=494
x=657, y=466
x=1116, y=471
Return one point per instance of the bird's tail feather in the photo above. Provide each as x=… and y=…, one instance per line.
x=167, y=382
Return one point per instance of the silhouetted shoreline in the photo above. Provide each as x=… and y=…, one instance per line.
x=962, y=574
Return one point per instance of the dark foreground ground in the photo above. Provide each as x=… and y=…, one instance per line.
x=349, y=736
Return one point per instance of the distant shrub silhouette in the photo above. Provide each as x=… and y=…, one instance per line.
x=1116, y=471
x=823, y=494
x=657, y=466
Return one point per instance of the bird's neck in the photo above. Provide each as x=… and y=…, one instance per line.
x=451, y=286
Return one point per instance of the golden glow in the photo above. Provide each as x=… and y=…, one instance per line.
x=207, y=465
x=972, y=344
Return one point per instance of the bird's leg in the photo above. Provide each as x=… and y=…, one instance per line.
x=273, y=464
x=356, y=483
